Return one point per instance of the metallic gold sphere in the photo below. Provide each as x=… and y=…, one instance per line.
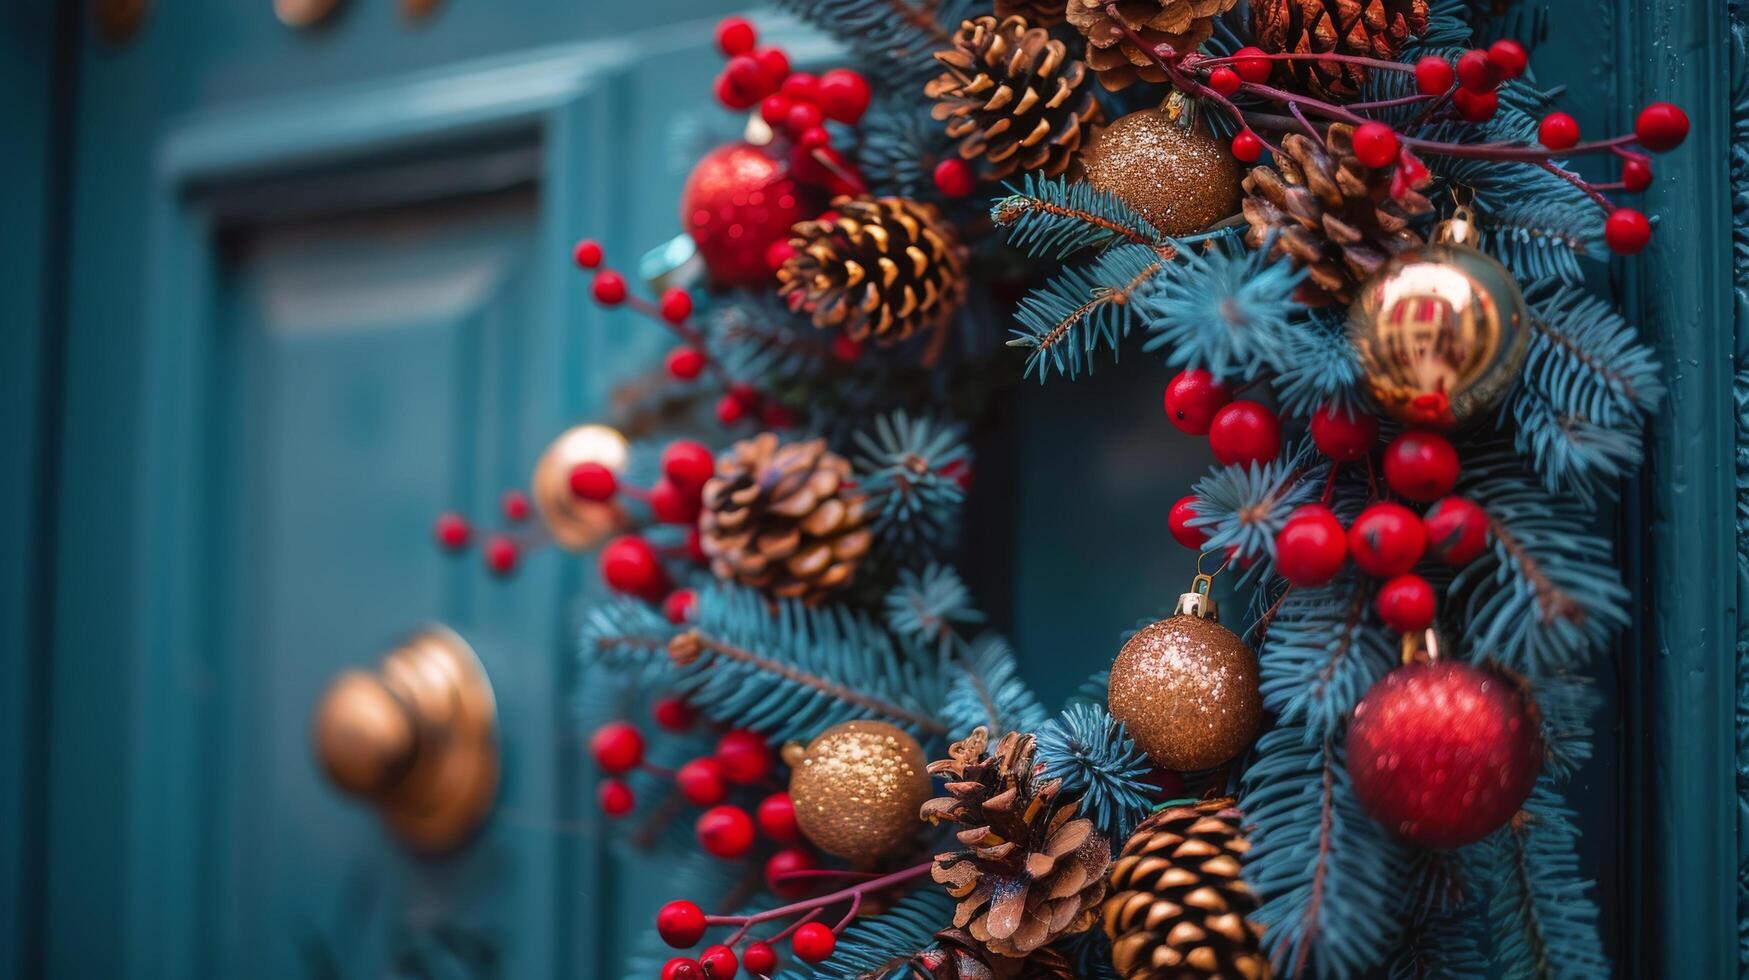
x=857, y=789
x=576, y=524
x=1187, y=690
x=1181, y=178
x=1441, y=331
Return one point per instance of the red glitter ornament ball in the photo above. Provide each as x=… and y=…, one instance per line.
x=1443, y=754
x=737, y=203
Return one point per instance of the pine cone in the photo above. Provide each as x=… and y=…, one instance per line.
x=1030, y=871
x=884, y=267
x=1368, y=28
x=1183, y=24
x=957, y=956
x=784, y=518
x=1178, y=904
x=1333, y=214
x=1013, y=98
x=1038, y=13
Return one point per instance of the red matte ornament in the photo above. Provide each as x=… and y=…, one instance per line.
x=1443, y=754
x=1192, y=399
x=1407, y=603
x=736, y=204
x=1344, y=434
x=1421, y=465
x=1457, y=531
x=1244, y=432
x=1311, y=547
x=1386, y=540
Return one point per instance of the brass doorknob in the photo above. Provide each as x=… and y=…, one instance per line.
x=418, y=739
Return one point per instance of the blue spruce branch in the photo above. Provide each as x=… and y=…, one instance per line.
x=985, y=688
x=1093, y=755
x=908, y=466
x=928, y=607
x=1229, y=310
x=1055, y=217
x=1324, y=649
x=1542, y=916
x=880, y=946
x=1082, y=310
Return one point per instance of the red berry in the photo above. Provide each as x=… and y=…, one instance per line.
x=1406, y=604
x=1434, y=75
x=725, y=832
x=501, y=554
x=744, y=393
x=587, y=253
x=672, y=504
x=814, y=138
x=731, y=96
x=609, y=288
x=673, y=714
x=617, y=747
x=1311, y=548
x=1386, y=539
x=1244, y=432
x=846, y=350
x=679, y=605
x=780, y=871
x=777, y=818
x=773, y=66
x=695, y=547
x=676, y=305
x=615, y=798
x=802, y=117
x=954, y=177
x=1476, y=73
x=1421, y=465
x=801, y=86
x=774, y=109
x=688, y=463
x=1508, y=57
x=1636, y=174
x=1178, y=522
x=718, y=962
x=1251, y=66
x=744, y=74
x=1457, y=530
x=685, y=363
x=735, y=36
x=1660, y=127
x=1375, y=144
x=813, y=942
x=776, y=415
x=1627, y=231
x=680, y=924
x=629, y=565
x=1192, y=399
x=844, y=95
x=701, y=782
x=515, y=505
x=730, y=411
x=1476, y=107
x=1225, y=80
x=452, y=531
x=1247, y=148
x=593, y=481
x=1344, y=434
x=759, y=958
x=682, y=968
x=1558, y=131
x=744, y=755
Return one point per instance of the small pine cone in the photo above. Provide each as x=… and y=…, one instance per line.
x=1183, y=24
x=957, y=956
x=1178, y=905
x=1367, y=28
x=1030, y=871
x=784, y=518
x=1330, y=213
x=1013, y=98
x=885, y=267
x=1038, y=13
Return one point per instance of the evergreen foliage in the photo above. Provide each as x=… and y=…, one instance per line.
x=909, y=467
x=1229, y=310
x=1090, y=752
x=880, y=946
x=926, y=607
x=1325, y=648
x=984, y=688
x=1054, y=217
x=1540, y=912
x=1243, y=508
x=1083, y=309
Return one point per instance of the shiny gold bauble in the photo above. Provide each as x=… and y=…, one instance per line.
x=577, y=524
x=1181, y=178
x=1441, y=331
x=1187, y=689
x=857, y=788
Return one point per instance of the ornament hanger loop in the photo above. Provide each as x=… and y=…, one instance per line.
x=1421, y=648
x=1205, y=581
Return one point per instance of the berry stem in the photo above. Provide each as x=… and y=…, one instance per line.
x=686, y=330
x=1194, y=62
x=849, y=916
x=814, y=906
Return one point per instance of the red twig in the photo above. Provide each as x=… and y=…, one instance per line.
x=810, y=908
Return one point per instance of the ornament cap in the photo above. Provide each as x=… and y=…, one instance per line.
x=1198, y=602
x=1459, y=229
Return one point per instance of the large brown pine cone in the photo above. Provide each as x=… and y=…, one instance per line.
x=1117, y=58
x=1367, y=28
x=884, y=267
x=957, y=956
x=1030, y=871
x=1331, y=214
x=784, y=518
x=1178, y=905
x=1013, y=98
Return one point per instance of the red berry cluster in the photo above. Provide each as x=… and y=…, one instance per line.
x=501, y=551
x=1239, y=432
x=630, y=564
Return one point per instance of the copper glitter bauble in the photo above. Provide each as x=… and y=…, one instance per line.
x=1441, y=331
x=1187, y=689
x=857, y=788
x=1181, y=178
x=738, y=202
x=1443, y=754
x=577, y=524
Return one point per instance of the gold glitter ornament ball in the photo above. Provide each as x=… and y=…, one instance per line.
x=858, y=787
x=1181, y=178
x=1187, y=689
